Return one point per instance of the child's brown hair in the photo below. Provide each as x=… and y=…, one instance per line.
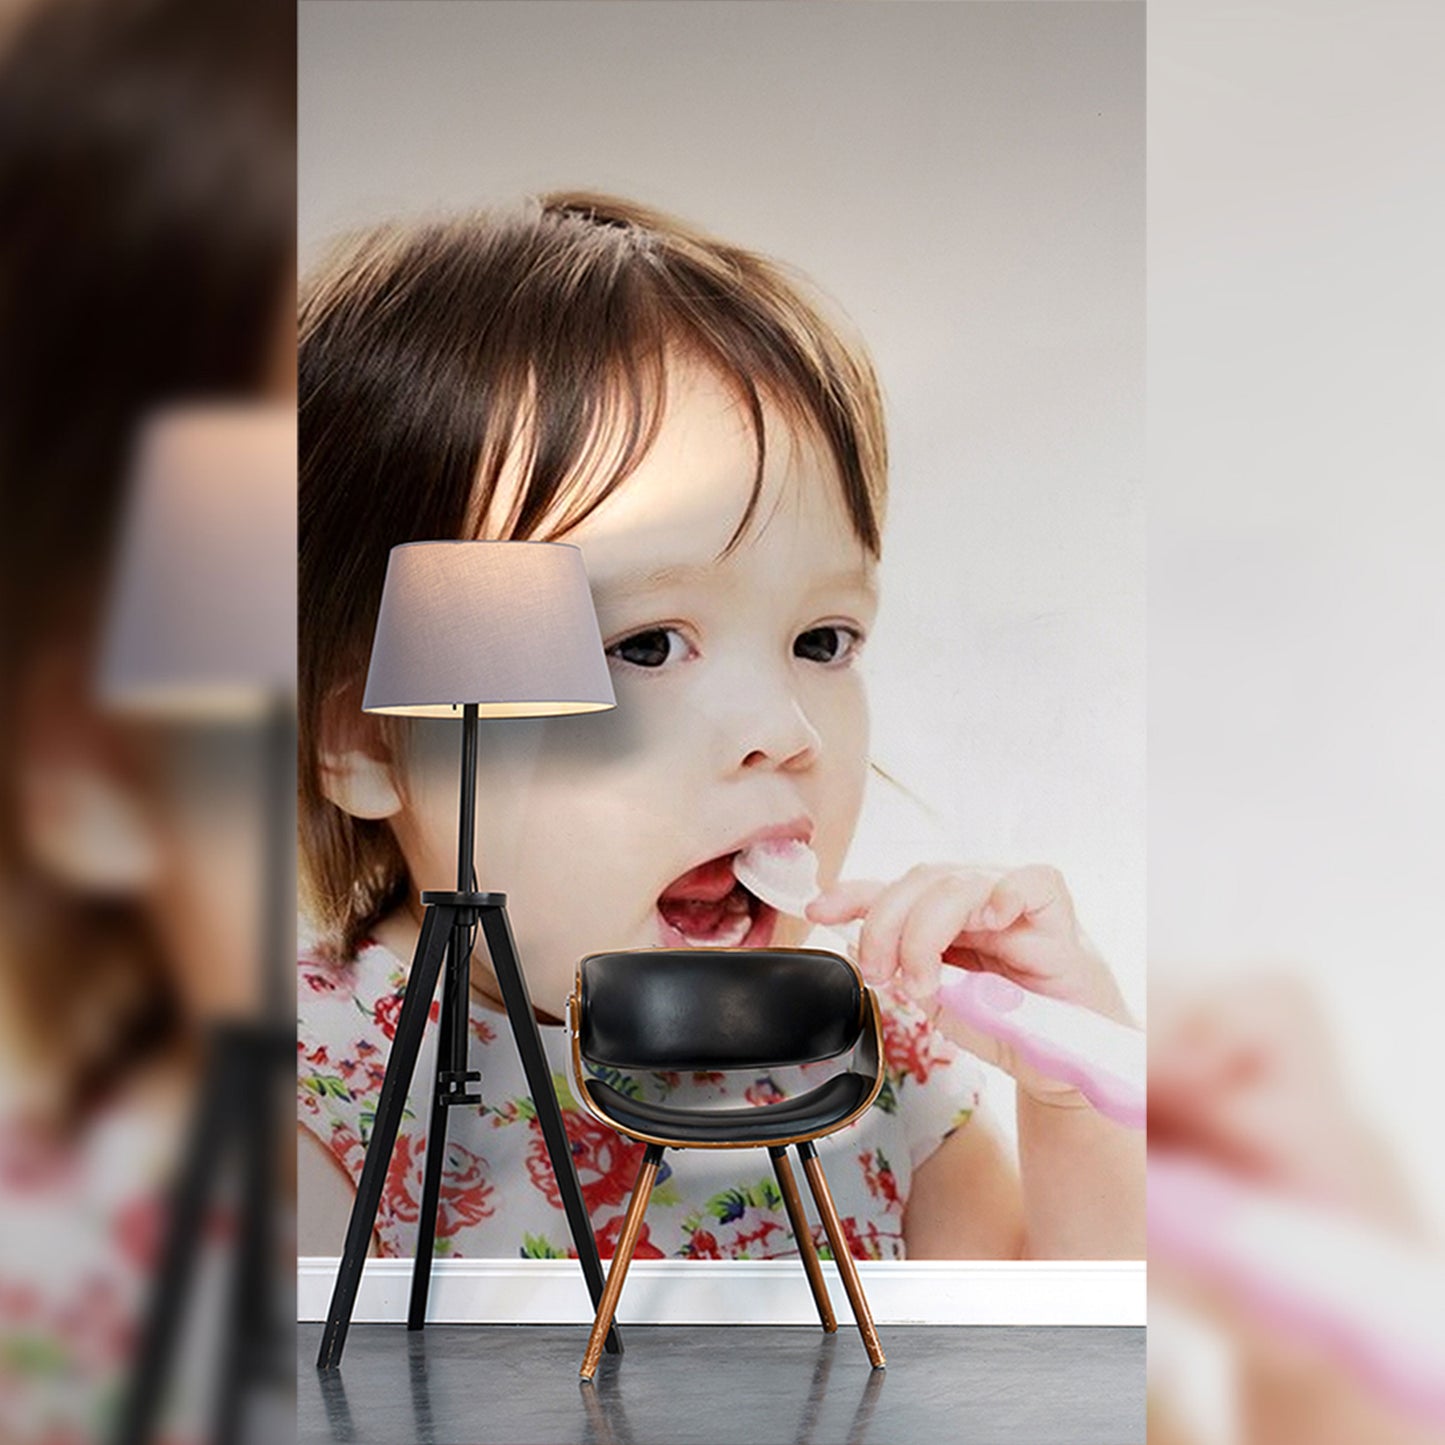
x=433, y=356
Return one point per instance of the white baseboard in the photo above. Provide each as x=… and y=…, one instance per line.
x=771, y=1292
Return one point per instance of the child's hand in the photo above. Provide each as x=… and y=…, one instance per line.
x=1020, y=924
x=1247, y=1077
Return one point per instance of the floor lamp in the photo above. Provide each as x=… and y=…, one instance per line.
x=469, y=630
x=201, y=633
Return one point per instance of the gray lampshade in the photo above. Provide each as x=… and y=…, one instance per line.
x=202, y=619
x=506, y=625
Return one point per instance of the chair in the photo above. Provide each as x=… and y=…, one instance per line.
x=691, y=1009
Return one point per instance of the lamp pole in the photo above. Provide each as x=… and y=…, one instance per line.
x=452, y=1073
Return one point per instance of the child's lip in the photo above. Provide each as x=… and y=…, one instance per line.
x=796, y=830
x=706, y=877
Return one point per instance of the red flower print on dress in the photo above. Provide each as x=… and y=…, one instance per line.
x=387, y=1012
x=322, y=976
x=702, y=1244
x=137, y=1229
x=467, y=1195
x=347, y=1149
x=96, y=1324
x=363, y=1074
x=33, y=1162
x=611, y=1232
x=912, y=1047
x=607, y=1163
x=401, y=1194
x=878, y=1176
x=862, y=1243
x=764, y=1091
x=19, y=1302
x=744, y=1239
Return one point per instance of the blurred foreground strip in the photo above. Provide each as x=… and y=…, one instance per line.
x=1369, y=1301
x=1281, y=1226
x=147, y=218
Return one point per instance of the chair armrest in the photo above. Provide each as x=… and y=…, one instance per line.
x=576, y=1072
x=868, y=1051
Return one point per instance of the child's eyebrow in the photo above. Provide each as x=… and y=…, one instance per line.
x=858, y=579
x=659, y=579
x=652, y=579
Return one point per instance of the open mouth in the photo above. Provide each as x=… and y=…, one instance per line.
x=708, y=908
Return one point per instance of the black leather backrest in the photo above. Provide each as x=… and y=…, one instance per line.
x=717, y=1008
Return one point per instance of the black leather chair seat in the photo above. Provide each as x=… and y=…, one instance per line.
x=810, y=1113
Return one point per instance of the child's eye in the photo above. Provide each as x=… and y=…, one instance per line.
x=652, y=649
x=833, y=643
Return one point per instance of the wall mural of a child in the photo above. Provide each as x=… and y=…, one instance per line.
x=585, y=369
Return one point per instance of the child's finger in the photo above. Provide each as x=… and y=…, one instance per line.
x=844, y=901
x=948, y=907
x=1036, y=892
x=883, y=927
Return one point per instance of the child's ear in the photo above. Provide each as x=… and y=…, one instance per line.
x=84, y=810
x=358, y=771
x=84, y=825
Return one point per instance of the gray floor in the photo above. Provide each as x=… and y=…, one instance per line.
x=727, y=1385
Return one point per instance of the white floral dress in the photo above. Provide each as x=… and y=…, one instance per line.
x=84, y=1220
x=499, y=1198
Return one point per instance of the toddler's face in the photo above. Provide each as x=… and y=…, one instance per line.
x=740, y=711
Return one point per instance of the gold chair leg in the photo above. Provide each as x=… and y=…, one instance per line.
x=813, y=1168
x=799, y=1223
x=631, y=1228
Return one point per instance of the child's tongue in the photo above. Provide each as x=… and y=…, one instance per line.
x=707, y=905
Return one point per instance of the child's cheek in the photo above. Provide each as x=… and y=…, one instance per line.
x=842, y=771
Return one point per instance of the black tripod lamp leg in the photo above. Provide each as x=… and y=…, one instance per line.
x=416, y=1003
x=184, y=1228
x=248, y=1326
x=436, y=1138
x=544, y=1098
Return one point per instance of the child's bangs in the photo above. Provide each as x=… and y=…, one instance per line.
x=605, y=298
x=576, y=432
x=569, y=448
x=763, y=382
x=576, y=436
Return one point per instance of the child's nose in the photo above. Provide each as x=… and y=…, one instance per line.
x=775, y=732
